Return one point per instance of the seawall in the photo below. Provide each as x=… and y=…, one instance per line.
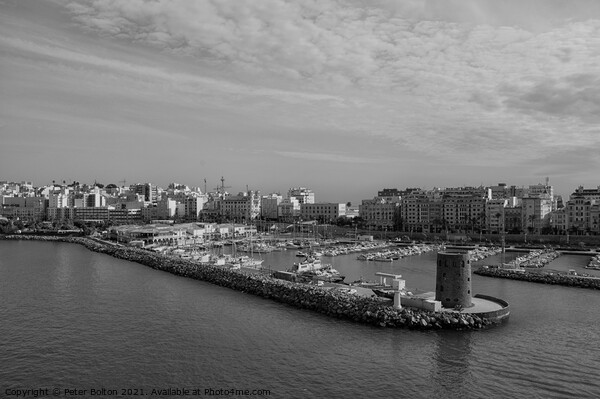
x=542, y=278
x=333, y=303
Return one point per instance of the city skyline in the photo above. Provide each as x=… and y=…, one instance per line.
x=345, y=98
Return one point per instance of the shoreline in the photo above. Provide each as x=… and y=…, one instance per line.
x=332, y=303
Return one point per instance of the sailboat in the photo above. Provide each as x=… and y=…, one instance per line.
x=247, y=261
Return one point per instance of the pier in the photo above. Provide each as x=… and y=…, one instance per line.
x=334, y=303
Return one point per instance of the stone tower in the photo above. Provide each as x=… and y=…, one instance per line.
x=453, y=279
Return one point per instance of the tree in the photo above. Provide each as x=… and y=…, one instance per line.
x=531, y=218
x=465, y=222
x=437, y=222
x=341, y=221
x=473, y=222
x=18, y=225
x=482, y=221
x=397, y=220
x=498, y=215
x=6, y=226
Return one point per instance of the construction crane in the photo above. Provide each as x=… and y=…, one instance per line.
x=123, y=182
x=222, y=188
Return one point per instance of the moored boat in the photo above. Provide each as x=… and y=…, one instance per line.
x=308, y=264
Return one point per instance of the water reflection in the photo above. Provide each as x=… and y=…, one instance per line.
x=451, y=371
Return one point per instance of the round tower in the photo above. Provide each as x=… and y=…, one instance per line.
x=453, y=279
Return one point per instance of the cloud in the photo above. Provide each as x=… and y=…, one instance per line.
x=184, y=81
x=575, y=96
x=329, y=45
x=328, y=157
x=470, y=82
x=532, y=15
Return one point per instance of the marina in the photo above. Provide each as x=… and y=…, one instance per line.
x=123, y=298
x=317, y=199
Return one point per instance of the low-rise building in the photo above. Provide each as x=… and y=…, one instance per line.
x=324, y=212
x=167, y=235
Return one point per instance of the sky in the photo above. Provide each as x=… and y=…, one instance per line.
x=345, y=97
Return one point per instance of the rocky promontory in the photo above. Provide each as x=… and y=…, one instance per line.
x=334, y=303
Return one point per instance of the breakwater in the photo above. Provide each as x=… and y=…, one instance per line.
x=542, y=278
x=334, y=303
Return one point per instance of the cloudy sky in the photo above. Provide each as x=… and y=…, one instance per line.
x=343, y=96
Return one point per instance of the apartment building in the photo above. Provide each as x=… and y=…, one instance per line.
x=244, y=206
x=302, y=194
x=148, y=191
x=31, y=208
x=322, y=211
x=288, y=210
x=380, y=213
x=536, y=212
x=590, y=194
x=559, y=221
x=495, y=215
x=421, y=210
x=464, y=207
x=269, y=206
x=164, y=209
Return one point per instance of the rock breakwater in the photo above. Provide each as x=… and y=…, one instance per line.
x=542, y=278
x=334, y=303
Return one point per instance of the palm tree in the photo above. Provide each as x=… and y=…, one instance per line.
x=437, y=222
x=481, y=219
x=498, y=215
x=531, y=218
x=473, y=222
x=445, y=227
x=466, y=222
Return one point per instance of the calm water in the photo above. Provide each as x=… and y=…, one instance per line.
x=74, y=318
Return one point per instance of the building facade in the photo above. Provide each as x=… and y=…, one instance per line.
x=244, y=206
x=324, y=212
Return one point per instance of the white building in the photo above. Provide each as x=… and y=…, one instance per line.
x=302, y=194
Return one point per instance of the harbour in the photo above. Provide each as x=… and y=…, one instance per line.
x=86, y=310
